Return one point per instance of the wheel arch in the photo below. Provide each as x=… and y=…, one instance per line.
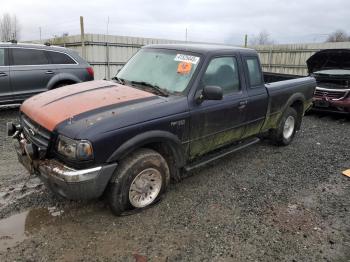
x=165, y=143
x=62, y=79
x=297, y=102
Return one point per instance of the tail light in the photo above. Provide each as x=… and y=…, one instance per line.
x=90, y=71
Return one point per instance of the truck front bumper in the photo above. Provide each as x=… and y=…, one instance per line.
x=325, y=104
x=65, y=181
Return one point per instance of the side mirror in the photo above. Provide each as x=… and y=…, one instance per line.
x=211, y=93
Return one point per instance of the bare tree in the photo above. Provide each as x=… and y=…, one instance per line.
x=263, y=38
x=16, y=27
x=338, y=36
x=9, y=27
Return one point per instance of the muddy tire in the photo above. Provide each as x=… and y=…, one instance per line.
x=138, y=182
x=284, y=134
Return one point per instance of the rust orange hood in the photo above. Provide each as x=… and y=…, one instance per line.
x=51, y=108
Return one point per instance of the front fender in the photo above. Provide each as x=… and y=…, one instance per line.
x=155, y=136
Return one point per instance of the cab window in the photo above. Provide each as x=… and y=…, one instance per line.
x=223, y=72
x=254, y=71
x=2, y=56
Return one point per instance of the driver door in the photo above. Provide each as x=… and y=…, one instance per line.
x=220, y=122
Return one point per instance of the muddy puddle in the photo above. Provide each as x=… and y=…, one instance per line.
x=18, y=227
x=11, y=194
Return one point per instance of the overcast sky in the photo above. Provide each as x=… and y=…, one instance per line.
x=220, y=21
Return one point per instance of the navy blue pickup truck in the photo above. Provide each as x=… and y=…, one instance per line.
x=170, y=109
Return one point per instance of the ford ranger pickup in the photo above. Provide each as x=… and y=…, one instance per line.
x=170, y=109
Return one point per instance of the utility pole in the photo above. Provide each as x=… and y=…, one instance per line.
x=40, y=33
x=246, y=40
x=186, y=34
x=82, y=36
x=107, y=68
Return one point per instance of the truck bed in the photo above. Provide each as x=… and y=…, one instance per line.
x=283, y=91
x=275, y=77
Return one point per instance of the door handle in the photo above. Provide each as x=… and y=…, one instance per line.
x=2, y=74
x=49, y=72
x=242, y=104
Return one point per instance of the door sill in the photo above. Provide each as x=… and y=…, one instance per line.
x=221, y=153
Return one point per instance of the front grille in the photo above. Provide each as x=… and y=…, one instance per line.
x=35, y=133
x=332, y=94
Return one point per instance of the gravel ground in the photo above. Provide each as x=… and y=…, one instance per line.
x=265, y=203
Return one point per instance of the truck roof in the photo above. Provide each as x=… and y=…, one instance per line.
x=202, y=48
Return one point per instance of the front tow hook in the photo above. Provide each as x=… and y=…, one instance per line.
x=13, y=130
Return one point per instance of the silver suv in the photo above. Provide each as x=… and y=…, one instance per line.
x=28, y=69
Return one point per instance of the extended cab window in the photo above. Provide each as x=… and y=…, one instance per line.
x=22, y=56
x=2, y=57
x=255, y=76
x=223, y=72
x=60, y=58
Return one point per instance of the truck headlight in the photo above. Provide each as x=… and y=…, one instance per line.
x=74, y=149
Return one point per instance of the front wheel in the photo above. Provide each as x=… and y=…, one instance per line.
x=285, y=132
x=139, y=181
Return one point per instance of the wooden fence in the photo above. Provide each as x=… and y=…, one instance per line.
x=291, y=59
x=108, y=53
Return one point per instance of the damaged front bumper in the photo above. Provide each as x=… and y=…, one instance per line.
x=326, y=104
x=68, y=182
x=336, y=100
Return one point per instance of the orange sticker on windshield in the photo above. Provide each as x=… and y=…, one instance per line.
x=184, y=68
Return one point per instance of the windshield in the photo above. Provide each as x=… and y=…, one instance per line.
x=168, y=70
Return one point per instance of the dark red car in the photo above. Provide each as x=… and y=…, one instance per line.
x=331, y=68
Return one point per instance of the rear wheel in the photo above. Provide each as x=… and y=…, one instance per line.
x=285, y=132
x=138, y=182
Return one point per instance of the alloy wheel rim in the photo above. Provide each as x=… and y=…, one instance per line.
x=288, y=128
x=145, y=187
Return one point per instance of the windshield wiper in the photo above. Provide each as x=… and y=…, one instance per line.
x=158, y=89
x=120, y=80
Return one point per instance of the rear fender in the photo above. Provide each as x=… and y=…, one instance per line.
x=53, y=81
x=273, y=120
x=62, y=77
x=297, y=97
x=294, y=98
